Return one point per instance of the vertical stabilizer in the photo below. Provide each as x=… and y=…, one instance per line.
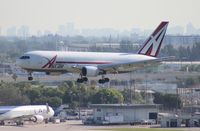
x=152, y=45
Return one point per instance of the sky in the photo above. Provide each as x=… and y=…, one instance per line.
x=117, y=14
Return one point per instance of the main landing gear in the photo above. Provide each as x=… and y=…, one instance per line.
x=30, y=77
x=103, y=80
x=19, y=123
x=82, y=79
x=2, y=123
x=85, y=79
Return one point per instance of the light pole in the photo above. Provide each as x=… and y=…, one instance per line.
x=146, y=87
x=79, y=105
x=130, y=82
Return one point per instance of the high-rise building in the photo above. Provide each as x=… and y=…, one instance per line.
x=0, y=31
x=67, y=30
x=23, y=31
x=47, y=32
x=62, y=30
x=70, y=29
x=11, y=31
x=176, y=30
x=39, y=33
x=190, y=29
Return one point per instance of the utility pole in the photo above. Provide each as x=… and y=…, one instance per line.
x=130, y=82
x=145, y=87
x=79, y=105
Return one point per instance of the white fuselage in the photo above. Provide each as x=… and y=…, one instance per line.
x=66, y=61
x=90, y=64
x=12, y=112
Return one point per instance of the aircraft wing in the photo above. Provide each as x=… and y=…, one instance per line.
x=23, y=117
x=115, y=68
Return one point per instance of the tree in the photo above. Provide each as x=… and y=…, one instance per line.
x=52, y=101
x=126, y=46
x=169, y=101
x=9, y=95
x=107, y=96
x=33, y=93
x=136, y=97
x=168, y=50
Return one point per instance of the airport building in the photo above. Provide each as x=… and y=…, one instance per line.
x=124, y=113
x=169, y=120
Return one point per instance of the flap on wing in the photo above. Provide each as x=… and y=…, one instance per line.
x=115, y=67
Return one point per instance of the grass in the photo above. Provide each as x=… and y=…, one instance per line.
x=140, y=129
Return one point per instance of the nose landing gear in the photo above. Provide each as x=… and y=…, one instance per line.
x=30, y=77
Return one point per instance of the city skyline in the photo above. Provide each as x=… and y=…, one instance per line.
x=94, y=14
x=70, y=29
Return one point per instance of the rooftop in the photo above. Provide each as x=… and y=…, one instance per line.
x=125, y=105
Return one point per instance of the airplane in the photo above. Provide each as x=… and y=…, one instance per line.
x=19, y=114
x=92, y=64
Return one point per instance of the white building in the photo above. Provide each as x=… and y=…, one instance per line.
x=123, y=113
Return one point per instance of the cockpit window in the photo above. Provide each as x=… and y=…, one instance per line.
x=25, y=57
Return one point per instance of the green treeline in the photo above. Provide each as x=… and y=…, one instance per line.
x=182, y=53
x=71, y=93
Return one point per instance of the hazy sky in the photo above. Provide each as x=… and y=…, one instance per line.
x=119, y=14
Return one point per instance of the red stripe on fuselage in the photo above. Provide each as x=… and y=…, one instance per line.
x=74, y=62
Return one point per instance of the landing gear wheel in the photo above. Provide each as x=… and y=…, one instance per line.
x=79, y=80
x=19, y=123
x=30, y=78
x=46, y=121
x=104, y=80
x=2, y=123
x=85, y=79
x=100, y=81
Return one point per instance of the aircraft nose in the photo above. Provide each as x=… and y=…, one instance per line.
x=23, y=61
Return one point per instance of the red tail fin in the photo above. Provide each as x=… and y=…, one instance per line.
x=152, y=45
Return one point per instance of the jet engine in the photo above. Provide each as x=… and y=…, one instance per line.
x=37, y=118
x=90, y=71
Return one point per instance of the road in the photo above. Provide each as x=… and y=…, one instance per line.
x=74, y=126
x=171, y=76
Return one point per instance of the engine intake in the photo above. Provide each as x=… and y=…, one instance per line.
x=37, y=118
x=90, y=71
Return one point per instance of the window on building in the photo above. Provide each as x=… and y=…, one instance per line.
x=153, y=115
x=98, y=118
x=98, y=109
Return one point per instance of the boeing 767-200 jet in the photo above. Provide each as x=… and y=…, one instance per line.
x=91, y=64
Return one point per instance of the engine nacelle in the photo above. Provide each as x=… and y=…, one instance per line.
x=90, y=71
x=37, y=118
